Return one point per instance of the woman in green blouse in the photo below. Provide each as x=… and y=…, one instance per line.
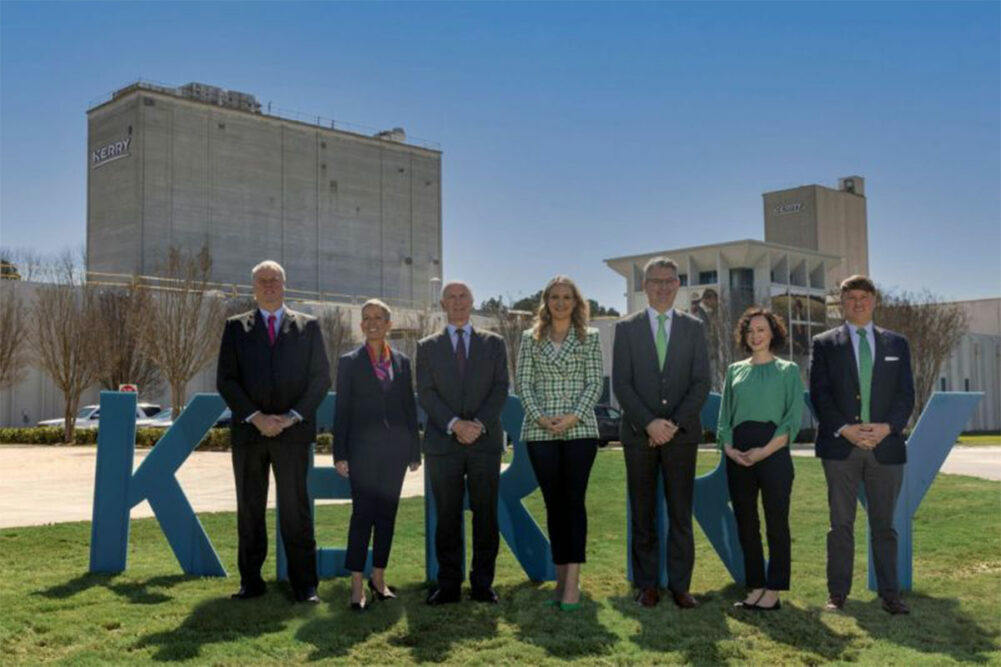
x=759, y=416
x=559, y=381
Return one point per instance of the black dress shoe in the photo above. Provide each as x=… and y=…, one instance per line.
x=774, y=607
x=487, y=595
x=361, y=605
x=895, y=606
x=647, y=597
x=248, y=592
x=443, y=596
x=390, y=595
x=684, y=600
x=307, y=595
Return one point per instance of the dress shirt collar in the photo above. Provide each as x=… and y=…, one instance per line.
x=467, y=331
x=279, y=314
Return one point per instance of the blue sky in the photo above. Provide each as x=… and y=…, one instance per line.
x=571, y=132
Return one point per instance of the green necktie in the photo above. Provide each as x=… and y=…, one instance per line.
x=661, y=340
x=864, y=372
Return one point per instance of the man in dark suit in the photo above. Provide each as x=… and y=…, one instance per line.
x=862, y=391
x=660, y=374
x=273, y=373
x=462, y=383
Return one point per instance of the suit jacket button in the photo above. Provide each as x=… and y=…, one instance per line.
x=663, y=401
x=858, y=397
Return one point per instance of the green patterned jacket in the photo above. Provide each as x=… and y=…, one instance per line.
x=553, y=381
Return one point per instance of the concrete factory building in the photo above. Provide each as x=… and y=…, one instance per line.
x=346, y=213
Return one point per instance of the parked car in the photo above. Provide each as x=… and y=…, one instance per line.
x=89, y=415
x=164, y=419
x=609, y=419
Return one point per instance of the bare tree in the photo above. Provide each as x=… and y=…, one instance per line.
x=409, y=329
x=13, y=334
x=509, y=325
x=338, y=337
x=933, y=330
x=29, y=265
x=122, y=315
x=185, y=323
x=62, y=337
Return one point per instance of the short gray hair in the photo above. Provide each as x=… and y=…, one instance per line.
x=450, y=283
x=268, y=264
x=381, y=304
x=661, y=262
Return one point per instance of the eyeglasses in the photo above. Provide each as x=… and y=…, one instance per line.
x=661, y=282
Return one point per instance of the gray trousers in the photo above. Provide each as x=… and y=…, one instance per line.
x=882, y=486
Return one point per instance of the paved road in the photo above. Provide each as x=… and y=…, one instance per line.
x=44, y=484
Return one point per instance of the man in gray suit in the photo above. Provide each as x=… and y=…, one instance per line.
x=660, y=375
x=462, y=383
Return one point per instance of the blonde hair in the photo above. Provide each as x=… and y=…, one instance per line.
x=381, y=304
x=578, y=319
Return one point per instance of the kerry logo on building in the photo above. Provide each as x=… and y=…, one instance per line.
x=792, y=207
x=105, y=154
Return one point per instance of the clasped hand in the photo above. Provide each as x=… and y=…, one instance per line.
x=271, y=425
x=559, y=424
x=466, y=431
x=866, y=436
x=660, y=432
x=746, y=459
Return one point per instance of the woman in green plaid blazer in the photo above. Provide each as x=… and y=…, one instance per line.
x=559, y=380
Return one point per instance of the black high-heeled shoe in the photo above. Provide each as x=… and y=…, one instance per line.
x=361, y=605
x=391, y=595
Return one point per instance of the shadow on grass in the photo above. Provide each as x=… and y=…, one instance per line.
x=135, y=591
x=802, y=629
x=221, y=620
x=433, y=631
x=934, y=626
x=563, y=635
x=354, y=628
x=693, y=633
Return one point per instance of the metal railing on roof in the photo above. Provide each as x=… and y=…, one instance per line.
x=271, y=110
x=238, y=290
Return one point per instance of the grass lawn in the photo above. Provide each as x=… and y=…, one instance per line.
x=52, y=610
x=975, y=440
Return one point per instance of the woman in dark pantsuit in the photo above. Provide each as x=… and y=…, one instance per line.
x=759, y=416
x=375, y=440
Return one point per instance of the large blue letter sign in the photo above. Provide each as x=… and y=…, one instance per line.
x=117, y=490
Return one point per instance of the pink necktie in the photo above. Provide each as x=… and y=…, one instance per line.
x=271, y=329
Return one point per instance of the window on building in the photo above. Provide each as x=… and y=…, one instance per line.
x=941, y=385
x=683, y=279
x=707, y=277
x=637, y=278
x=966, y=384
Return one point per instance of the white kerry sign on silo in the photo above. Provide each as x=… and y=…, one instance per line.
x=105, y=154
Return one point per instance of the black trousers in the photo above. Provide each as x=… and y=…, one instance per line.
x=376, y=479
x=562, y=468
x=449, y=475
x=644, y=466
x=251, y=462
x=772, y=477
